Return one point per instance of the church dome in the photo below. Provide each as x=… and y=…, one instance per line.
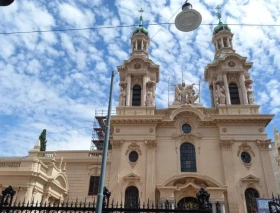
x=221, y=27
x=140, y=28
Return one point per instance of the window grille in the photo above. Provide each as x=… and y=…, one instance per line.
x=131, y=196
x=250, y=196
x=93, y=185
x=187, y=157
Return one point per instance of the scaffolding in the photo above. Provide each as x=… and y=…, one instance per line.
x=99, y=128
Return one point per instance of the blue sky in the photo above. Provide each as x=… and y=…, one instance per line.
x=57, y=80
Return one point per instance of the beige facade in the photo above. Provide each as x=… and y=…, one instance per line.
x=165, y=153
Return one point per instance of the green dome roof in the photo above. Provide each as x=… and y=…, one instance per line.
x=140, y=28
x=220, y=26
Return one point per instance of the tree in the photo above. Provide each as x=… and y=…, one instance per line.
x=43, y=140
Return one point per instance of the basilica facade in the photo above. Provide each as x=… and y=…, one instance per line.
x=166, y=154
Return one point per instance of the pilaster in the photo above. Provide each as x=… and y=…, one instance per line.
x=151, y=169
x=243, y=88
x=267, y=166
x=114, y=185
x=128, y=90
x=143, y=99
x=226, y=89
x=229, y=172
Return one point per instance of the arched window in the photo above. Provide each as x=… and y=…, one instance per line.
x=136, y=96
x=187, y=157
x=131, y=196
x=234, y=95
x=250, y=196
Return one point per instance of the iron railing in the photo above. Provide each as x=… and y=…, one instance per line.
x=7, y=205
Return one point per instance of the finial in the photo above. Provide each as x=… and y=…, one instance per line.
x=141, y=18
x=218, y=8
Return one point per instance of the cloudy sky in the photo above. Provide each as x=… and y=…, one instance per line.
x=56, y=80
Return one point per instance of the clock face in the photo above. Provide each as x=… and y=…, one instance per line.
x=186, y=128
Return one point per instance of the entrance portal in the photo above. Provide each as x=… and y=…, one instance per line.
x=188, y=203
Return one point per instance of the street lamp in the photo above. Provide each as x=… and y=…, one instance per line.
x=5, y=2
x=188, y=19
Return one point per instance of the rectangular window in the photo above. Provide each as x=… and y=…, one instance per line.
x=93, y=185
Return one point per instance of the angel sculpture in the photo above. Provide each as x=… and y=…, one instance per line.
x=192, y=97
x=177, y=99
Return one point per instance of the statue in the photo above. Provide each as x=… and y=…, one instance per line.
x=122, y=97
x=191, y=95
x=220, y=97
x=177, y=94
x=150, y=97
x=250, y=95
x=184, y=94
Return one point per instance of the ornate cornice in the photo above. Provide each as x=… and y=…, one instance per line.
x=245, y=147
x=151, y=144
x=226, y=144
x=263, y=144
x=133, y=147
x=136, y=121
x=242, y=121
x=116, y=144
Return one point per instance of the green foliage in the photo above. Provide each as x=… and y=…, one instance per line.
x=43, y=140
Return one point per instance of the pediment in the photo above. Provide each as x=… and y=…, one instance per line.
x=250, y=178
x=131, y=176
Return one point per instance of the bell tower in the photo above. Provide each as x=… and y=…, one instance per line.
x=138, y=76
x=228, y=75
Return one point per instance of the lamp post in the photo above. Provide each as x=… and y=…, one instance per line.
x=5, y=2
x=105, y=150
x=188, y=19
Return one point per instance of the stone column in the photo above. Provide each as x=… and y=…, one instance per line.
x=216, y=45
x=114, y=184
x=142, y=45
x=228, y=42
x=136, y=45
x=229, y=172
x=223, y=208
x=267, y=167
x=214, y=208
x=151, y=170
x=128, y=89
x=212, y=96
x=144, y=91
x=29, y=193
x=243, y=88
x=226, y=89
x=222, y=42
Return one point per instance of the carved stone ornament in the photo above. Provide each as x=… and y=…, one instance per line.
x=137, y=66
x=151, y=130
x=189, y=137
x=151, y=144
x=244, y=147
x=231, y=64
x=118, y=130
x=133, y=147
x=116, y=144
x=224, y=129
x=226, y=144
x=263, y=144
x=261, y=129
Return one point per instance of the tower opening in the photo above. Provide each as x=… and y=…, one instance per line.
x=234, y=94
x=136, y=95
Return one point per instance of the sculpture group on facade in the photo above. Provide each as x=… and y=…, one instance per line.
x=184, y=94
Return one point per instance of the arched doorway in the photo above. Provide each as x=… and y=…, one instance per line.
x=250, y=196
x=131, y=196
x=187, y=203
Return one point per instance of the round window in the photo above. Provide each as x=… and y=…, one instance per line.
x=133, y=156
x=246, y=157
x=186, y=128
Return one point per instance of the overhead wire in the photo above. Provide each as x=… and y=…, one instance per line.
x=124, y=26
